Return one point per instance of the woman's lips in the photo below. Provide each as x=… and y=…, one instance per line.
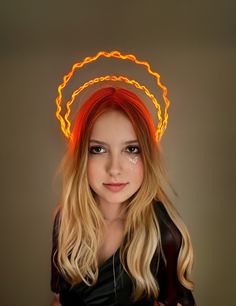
x=115, y=187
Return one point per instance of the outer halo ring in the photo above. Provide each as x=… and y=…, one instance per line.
x=115, y=54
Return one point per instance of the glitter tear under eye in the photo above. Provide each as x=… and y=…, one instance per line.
x=133, y=159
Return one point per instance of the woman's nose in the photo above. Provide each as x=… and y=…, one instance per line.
x=114, y=165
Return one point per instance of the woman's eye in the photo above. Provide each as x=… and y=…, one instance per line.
x=134, y=149
x=98, y=149
x=95, y=150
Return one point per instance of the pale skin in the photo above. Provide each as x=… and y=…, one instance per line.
x=113, y=160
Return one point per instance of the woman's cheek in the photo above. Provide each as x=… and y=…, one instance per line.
x=92, y=167
x=133, y=159
x=134, y=163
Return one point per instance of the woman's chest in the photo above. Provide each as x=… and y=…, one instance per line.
x=113, y=237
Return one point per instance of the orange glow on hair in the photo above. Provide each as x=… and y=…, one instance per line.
x=65, y=122
x=103, y=100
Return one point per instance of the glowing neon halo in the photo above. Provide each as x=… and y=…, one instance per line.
x=115, y=54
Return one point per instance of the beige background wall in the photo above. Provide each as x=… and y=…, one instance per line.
x=192, y=45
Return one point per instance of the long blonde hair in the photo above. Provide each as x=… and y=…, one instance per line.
x=80, y=221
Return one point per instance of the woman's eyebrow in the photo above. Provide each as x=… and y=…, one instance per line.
x=104, y=143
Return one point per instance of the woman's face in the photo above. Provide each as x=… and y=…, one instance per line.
x=114, y=157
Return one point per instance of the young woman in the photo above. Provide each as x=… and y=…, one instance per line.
x=117, y=238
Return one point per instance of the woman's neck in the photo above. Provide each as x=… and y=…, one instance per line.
x=112, y=211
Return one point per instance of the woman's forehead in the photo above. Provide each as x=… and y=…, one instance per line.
x=125, y=142
x=111, y=122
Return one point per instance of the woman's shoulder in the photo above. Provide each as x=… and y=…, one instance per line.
x=56, y=220
x=162, y=213
x=170, y=234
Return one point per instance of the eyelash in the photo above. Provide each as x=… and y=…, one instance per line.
x=95, y=147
